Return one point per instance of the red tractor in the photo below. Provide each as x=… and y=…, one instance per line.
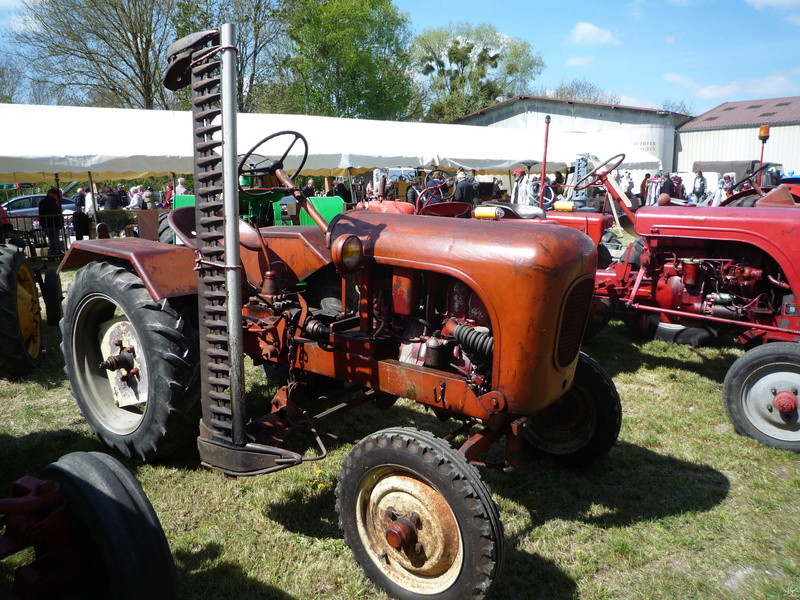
x=364, y=309
x=700, y=268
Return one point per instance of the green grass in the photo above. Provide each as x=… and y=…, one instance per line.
x=683, y=507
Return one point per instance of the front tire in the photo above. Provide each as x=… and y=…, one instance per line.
x=418, y=517
x=144, y=414
x=20, y=313
x=760, y=394
x=583, y=425
x=122, y=550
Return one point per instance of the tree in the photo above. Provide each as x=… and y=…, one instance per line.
x=99, y=52
x=9, y=80
x=580, y=90
x=464, y=68
x=259, y=28
x=348, y=58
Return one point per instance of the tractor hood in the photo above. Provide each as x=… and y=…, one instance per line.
x=534, y=277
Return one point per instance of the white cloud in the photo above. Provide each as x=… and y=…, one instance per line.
x=585, y=34
x=681, y=80
x=774, y=85
x=670, y=39
x=794, y=19
x=635, y=101
x=635, y=9
x=760, y=4
x=579, y=61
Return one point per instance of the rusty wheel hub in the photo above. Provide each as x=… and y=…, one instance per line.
x=410, y=530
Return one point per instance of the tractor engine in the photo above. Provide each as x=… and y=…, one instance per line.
x=718, y=287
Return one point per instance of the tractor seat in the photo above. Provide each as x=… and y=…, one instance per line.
x=182, y=222
x=518, y=211
x=779, y=197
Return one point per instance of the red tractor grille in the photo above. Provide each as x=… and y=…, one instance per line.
x=573, y=321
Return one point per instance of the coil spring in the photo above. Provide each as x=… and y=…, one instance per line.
x=473, y=340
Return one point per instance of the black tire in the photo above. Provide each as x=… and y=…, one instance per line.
x=166, y=235
x=750, y=400
x=150, y=415
x=604, y=258
x=53, y=295
x=20, y=313
x=124, y=554
x=414, y=472
x=583, y=425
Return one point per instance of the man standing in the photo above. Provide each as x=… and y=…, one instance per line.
x=308, y=190
x=50, y=212
x=180, y=189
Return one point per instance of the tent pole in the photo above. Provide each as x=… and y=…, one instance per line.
x=350, y=183
x=94, y=196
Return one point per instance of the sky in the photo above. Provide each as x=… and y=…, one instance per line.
x=700, y=52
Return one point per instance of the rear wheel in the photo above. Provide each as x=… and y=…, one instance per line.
x=53, y=296
x=121, y=547
x=20, y=313
x=582, y=426
x=418, y=517
x=132, y=362
x=166, y=235
x=761, y=394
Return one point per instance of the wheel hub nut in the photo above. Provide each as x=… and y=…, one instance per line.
x=401, y=533
x=785, y=402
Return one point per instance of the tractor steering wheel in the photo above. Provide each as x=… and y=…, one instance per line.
x=267, y=166
x=427, y=193
x=594, y=176
x=750, y=176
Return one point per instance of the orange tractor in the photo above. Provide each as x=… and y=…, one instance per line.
x=479, y=322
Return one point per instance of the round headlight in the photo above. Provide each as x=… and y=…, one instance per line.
x=347, y=252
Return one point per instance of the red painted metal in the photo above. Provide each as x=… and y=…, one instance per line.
x=785, y=402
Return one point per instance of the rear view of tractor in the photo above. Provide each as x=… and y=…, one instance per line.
x=479, y=322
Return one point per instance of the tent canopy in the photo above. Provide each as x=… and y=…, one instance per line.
x=41, y=141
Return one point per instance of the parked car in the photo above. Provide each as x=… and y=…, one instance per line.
x=28, y=206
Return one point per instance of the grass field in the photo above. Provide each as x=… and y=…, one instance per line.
x=683, y=507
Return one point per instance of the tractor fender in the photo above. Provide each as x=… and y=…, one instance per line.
x=166, y=270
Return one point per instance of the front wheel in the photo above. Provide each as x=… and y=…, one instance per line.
x=132, y=362
x=583, y=425
x=761, y=394
x=418, y=517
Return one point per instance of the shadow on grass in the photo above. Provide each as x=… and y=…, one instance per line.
x=201, y=574
x=29, y=454
x=632, y=484
x=620, y=350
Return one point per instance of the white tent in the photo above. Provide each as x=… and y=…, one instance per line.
x=40, y=141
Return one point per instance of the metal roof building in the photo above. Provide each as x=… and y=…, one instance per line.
x=726, y=137
x=646, y=129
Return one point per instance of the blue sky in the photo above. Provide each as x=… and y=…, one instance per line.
x=702, y=52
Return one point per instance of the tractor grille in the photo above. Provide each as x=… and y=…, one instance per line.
x=573, y=321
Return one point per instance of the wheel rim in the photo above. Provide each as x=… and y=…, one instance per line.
x=566, y=425
x=758, y=396
x=396, y=508
x=29, y=312
x=118, y=398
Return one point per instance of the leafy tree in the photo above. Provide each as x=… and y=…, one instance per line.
x=102, y=53
x=581, y=90
x=9, y=80
x=348, y=58
x=464, y=68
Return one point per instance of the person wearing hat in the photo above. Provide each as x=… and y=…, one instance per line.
x=464, y=191
x=518, y=194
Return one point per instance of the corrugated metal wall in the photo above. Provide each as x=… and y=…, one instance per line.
x=783, y=146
